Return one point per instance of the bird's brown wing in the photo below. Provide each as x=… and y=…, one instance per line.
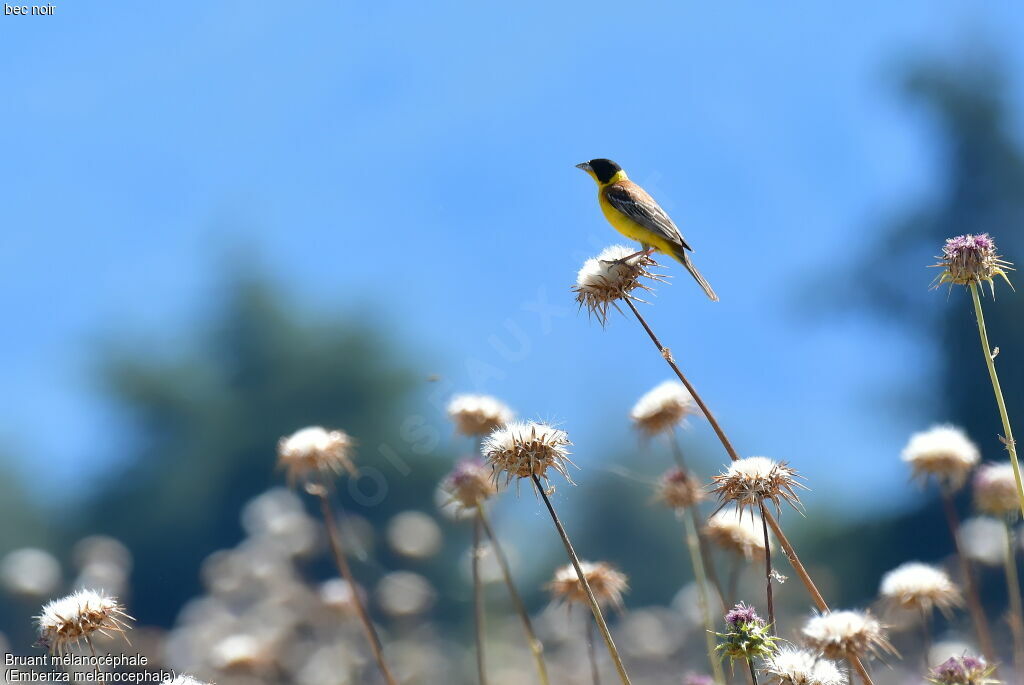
x=638, y=205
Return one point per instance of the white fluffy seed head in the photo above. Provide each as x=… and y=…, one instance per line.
x=842, y=634
x=663, y=408
x=69, y=620
x=315, y=454
x=525, y=449
x=469, y=484
x=601, y=282
x=995, y=490
x=983, y=540
x=944, y=452
x=184, y=680
x=478, y=414
x=748, y=482
x=678, y=489
x=737, y=532
x=794, y=666
x=606, y=582
x=920, y=587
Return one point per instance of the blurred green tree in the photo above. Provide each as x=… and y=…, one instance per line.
x=980, y=190
x=205, y=426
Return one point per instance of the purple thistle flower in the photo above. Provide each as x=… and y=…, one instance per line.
x=971, y=258
x=740, y=614
x=961, y=670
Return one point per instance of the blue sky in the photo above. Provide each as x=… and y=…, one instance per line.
x=145, y=141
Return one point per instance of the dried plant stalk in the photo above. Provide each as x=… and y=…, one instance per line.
x=787, y=547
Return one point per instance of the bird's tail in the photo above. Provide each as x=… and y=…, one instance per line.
x=684, y=259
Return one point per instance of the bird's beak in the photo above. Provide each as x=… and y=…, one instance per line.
x=584, y=166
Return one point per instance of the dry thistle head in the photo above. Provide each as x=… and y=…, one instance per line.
x=750, y=481
x=970, y=259
x=920, y=587
x=524, y=449
x=995, y=490
x=737, y=532
x=963, y=670
x=469, y=484
x=315, y=455
x=69, y=620
x=983, y=540
x=794, y=666
x=242, y=653
x=184, y=680
x=678, y=489
x=845, y=634
x=746, y=635
x=944, y=452
x=606, y=582
x=663, y=408
x=603, y=281
x=478, y=414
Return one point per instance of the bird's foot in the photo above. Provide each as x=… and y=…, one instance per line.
x=622, y=260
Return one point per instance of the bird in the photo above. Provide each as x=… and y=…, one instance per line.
x=633, y=212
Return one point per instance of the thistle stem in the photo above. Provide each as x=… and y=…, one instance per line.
x=339, y=559
x=805, y=577
x=595, y=608
x=536, y=646
x=595, y=676
x=705, y=552
x=990, y=361
x=753, y=674
x=696, y=558
x=1016, y=618
x=974, y=606
x=768, y=568
x=478, y=602
x=926, y=635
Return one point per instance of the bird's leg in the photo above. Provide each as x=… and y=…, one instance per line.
x=646, y=252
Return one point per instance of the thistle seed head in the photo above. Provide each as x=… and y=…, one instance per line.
x=315, y=455
x=971, y=258
x=663, y=408
x=963, y=670
x=750, y=481
x=603, y=281
x=995, y=490
x=478, y=414
x=737, y=532
x=746, y=635
x=944, y=452
x=677, y=489
x=184, y=680
x=794, y=666
x=920, y=587
x=469, y=484
x=69, y=620
x=845, y=634
x=524, y=449
x=606, y=582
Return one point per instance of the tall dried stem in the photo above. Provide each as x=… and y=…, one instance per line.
x=478, y=602
x=805, y=577
x=974, y=606
x=536, y=646
x=595, y=608
x=704, y=601
x=334, y=536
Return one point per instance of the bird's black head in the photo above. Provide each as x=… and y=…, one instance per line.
x=601, y=169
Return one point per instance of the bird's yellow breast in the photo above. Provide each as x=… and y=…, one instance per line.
x=629, y=228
